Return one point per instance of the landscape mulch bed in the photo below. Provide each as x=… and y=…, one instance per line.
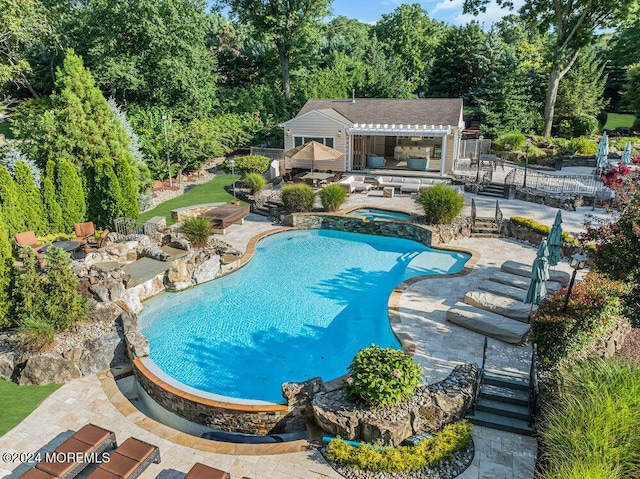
x=631, y=348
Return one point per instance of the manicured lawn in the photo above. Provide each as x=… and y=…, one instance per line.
x=17, y=402
x=211, y=192
x=5, y=129
x=618, y=120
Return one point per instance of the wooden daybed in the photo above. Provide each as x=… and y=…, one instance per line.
x=225, y=215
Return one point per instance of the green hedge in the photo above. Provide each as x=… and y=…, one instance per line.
x=542, y=229
x=297, y=197
x=430, y=451
x=594, y=307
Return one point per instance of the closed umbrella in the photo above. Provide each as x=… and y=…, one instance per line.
x=554, y=241
x=626, y=154
x=537, y=291
x=603, y=151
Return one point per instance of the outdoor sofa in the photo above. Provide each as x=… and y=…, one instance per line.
x=406, y=184
x=90, y=440
x=128, y=461
x=354, y=183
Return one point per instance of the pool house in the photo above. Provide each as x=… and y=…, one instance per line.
x=421, y=134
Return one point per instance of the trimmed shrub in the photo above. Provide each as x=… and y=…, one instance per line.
x=32, y=206
x=441, y=203
x=542, y=229
x=589, y=427
x=585, y=125
x=198, y=230
x=11, y=204
x=332, y=196
x=50, y=199
x=255, y=182
x=594, y=307
x=248, y=164
x=509, y=142
x=6, y=261
x=298, y=197
x=382, y=376
x=71, y=196
x=430, y=451
x=583, y=146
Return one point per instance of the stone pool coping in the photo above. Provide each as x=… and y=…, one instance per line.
x=395, y=320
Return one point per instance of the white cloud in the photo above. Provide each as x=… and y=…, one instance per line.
x=451, y=12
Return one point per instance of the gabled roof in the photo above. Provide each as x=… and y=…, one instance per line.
x=414, y=111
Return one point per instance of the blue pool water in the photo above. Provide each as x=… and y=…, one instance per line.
x=304, y=305
x=375, y=213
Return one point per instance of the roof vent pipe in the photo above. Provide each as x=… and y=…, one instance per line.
x=353, y=95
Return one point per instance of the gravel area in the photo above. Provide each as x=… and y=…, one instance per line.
x=445, y=470
x=631, y=348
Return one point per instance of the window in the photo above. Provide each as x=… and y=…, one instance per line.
x=301, y=140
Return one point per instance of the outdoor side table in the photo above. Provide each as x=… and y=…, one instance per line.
x=387, y=192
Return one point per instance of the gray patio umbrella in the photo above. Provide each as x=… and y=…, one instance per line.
x=537, y=291
x=554, y=241
x=626, y=154
x=603, y=151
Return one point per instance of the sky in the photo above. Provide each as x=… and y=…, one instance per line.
x=448, y=11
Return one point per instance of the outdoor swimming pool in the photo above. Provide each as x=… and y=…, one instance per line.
x=304, y=305
x=376, y=213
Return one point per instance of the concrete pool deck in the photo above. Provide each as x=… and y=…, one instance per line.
x=499, y=455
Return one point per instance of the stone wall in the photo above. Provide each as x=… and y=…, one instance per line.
x=312, y=221
x=522, y=233
x=249, y=419
x=564, y=202
x=429, y=409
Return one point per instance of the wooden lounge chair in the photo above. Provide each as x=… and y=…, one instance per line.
x=202, y=471
x=89, y=441
x=86, y=232
x=128, y=461
x=226, y=215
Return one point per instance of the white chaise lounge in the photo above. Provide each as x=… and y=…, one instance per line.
x=523, y=269
x=502, y=305
x=489, y=324
x=521, y=282
x=504, y=290
x=355, y=183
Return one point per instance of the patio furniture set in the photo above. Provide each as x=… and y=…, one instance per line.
x=85, y=242
x=95, y=445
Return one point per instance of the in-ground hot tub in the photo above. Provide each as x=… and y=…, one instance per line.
x=380, y=214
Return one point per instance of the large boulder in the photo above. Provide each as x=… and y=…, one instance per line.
x=178, y=277
x=48, y=369
x=137, y=343
x=102, y=353
x=155, y=252
x=207, y=270
x=104, y=312
x=7, y=364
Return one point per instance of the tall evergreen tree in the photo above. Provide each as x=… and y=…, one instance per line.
x=50, y=200
x=10, y=204
x=106, y=202
x=71, y=196
x=124, y=173
x=6, y=260
x=33, y=210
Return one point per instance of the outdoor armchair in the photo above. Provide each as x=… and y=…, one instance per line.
x=86, y=232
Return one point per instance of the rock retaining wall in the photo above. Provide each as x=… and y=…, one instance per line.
x=429, y=409
x=564, y=202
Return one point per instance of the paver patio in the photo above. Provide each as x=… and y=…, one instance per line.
x=439, y=347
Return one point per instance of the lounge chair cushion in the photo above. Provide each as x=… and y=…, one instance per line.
x=136, y=450
x=489, y=324
x=56, y=469
x=504, y=290
x=521, y=282
x=120, y=465
x=91, y=434
x=102, y=474
x=523, y=269
x=35, y=473
x=501, y=305
x=75, y=445
x=202, y=471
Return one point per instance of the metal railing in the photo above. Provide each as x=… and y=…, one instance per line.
x=499, y=217
x=271, y=153
x=480, y=377
x=570, y=184
x=533, y=385
x=469, y=148
x=474, y=213
x=129, y=226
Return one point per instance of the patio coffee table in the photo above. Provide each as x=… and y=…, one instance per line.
x=68, y=246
